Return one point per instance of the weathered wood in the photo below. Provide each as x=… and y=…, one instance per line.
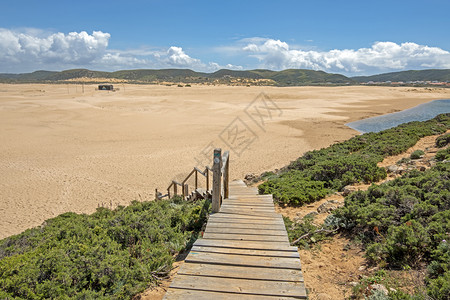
x=233, y=196
x=216, y=180
x=246, y=218
x=238, y=183
x=255, y=245
x=207, y=178
x=246, y=231
x=245, y=237
x=232, y=218
x=244, y=253
x=249, y=213
x=250, y=225
x=252, y=204
x=266, y=253
x=244, y=260
x=248, y=207
x=240, y=286
x=183, y=294
x=241, y=272
x=226, y=174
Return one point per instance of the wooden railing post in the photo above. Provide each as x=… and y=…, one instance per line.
x=216, y=191
x=185, y=191
x=226, y=177
x=196, y=179
x=207, y=179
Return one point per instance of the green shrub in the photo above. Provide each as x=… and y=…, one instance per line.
x=417, y=154
x=443, y=154
x=443, y=141
x=405, y=222
x=319, y=172
x=111, y=254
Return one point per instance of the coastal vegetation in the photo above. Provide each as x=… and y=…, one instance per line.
x=320, y=172
x=403, y=224
x=110, y=254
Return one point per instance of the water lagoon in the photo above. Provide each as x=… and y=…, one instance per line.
x=421, y=112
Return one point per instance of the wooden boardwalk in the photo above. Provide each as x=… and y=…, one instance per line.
x=244, y=254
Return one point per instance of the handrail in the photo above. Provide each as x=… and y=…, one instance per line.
x=183, y=185
x=220, y=188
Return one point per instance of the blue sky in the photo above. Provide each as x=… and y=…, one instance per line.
x=347, y=37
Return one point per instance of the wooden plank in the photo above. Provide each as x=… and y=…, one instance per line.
x=250, y=213
x=250, y=225
x=248, y=208
x=248, y=203
x=241, y=272
x=245, y=237
x=249, y=200
x=246, y=251
x=244, y=260
x=257, y=195
x=245, y=231
x=238, y=183
x=243, y=192
x=240, y=286
x=239, y=210
x=265, y=203
x=227, y=215
x=183, y=294
x=245, y=220
x=256, y=245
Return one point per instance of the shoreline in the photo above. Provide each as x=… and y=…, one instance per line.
x=416, y=113
x=65, y=150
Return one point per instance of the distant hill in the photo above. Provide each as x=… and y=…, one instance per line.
x=292, y=77
x=405, y=76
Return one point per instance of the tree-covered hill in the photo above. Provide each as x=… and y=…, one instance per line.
x=406, y=76
x=292, y=77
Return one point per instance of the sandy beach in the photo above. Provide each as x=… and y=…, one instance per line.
x=72, y=148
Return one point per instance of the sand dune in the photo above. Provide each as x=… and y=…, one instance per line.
x=72, y=148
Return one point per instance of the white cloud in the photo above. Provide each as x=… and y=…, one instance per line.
x=32, y=49
x=381, y=57
x=177, y=58
x=58, y=48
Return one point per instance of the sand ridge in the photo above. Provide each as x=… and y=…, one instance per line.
x=63, y=149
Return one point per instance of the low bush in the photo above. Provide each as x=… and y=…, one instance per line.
x=111, y=254
x=417, y=154
x=443, y=141
x=405, y=223
x=443, y=154
x=319, y=172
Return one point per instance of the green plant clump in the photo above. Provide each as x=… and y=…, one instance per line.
x=111, y=254
x=443, y=141
x=406, y=223
x=417, y=154
x=319, y=172
x=443, y=154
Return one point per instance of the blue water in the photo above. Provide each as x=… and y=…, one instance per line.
x=421, y=112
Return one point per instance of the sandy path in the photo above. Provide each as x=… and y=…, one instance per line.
x=64, y=150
